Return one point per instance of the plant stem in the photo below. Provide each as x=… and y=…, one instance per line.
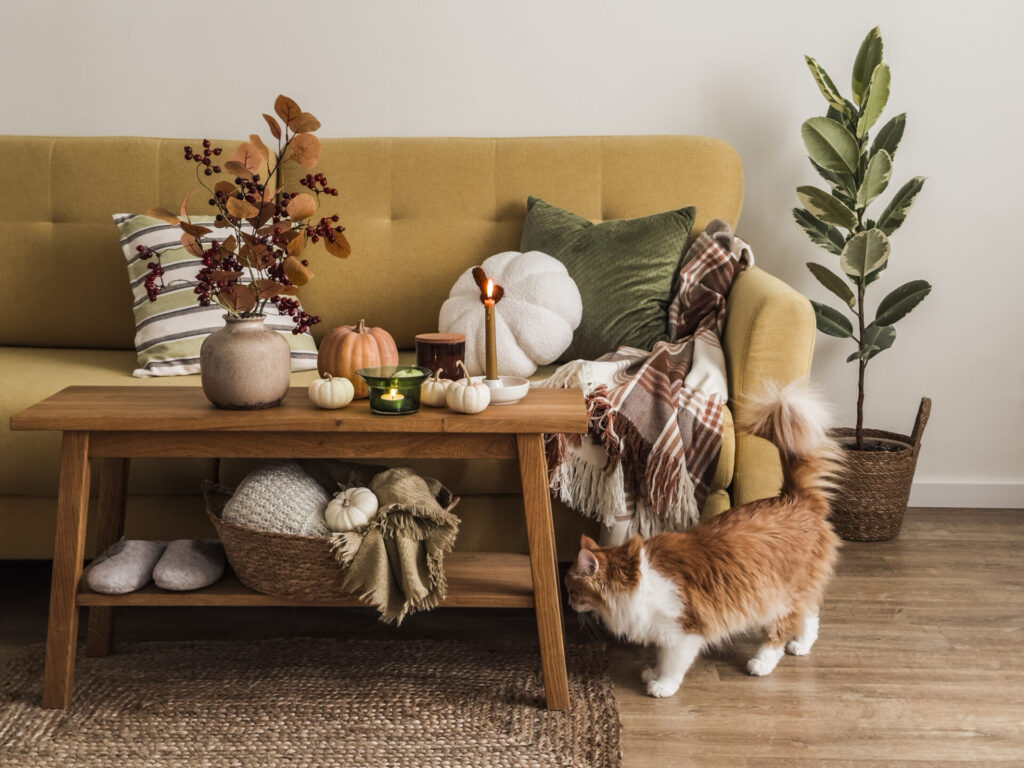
x=862, y=363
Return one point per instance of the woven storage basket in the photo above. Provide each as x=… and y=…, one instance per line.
x=284, y=564
x=874, y=487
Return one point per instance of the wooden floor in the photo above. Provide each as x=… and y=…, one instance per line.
x=920, y=661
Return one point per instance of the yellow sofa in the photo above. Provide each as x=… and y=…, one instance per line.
x=418, y=212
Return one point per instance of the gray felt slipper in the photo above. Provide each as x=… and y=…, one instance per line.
x=190, y=564
x=125, y=567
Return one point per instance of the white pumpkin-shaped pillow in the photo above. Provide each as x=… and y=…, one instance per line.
x=533, y=323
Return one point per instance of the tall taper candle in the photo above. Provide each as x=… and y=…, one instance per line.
x=491, y=368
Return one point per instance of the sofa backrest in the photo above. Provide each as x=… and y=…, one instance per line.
x=418, y=212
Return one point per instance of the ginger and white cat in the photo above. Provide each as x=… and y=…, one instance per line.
x=764, y=565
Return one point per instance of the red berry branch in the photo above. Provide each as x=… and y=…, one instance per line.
x=254, y=254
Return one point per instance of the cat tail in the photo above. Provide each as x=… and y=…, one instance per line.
x=797, y=420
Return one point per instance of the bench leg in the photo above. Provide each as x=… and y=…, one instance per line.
x=109, y=528
x=68, y=552
x=540, y=531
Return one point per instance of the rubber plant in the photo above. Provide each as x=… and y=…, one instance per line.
x=857, y=170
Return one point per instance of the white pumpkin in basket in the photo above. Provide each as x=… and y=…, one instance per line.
x=351, y=508
x=534, y=321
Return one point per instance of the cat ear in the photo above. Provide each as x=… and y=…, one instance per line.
x=586, y=562
x=587, y=543
x=635, y=543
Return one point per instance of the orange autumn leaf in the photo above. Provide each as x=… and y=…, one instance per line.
x=286, y=109
x=301, y=206
x=238, y=169
x=163, y=214
x=305, y=149
x=304, y=123
x=271, y=288
x=184, y=202
x=275, y=129
x=248, y=155
x=257, y=142
x=226, y=189
x=241, y=209
x=257, y=256
x=296, y=271
x=266, y=211
x=239, y=298
x=223, y=275
x=295, y=245
x=339, y=246
x=192, y=244
x=193, y=229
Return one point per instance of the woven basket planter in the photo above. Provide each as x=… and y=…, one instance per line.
x=874, y=487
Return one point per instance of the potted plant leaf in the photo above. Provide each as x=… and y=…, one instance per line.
x=873, y=491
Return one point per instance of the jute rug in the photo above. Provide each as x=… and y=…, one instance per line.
x=314, y=703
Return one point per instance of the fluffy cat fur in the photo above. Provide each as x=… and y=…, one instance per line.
x=764, y=565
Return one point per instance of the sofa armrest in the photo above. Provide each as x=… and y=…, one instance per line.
x=769, y=336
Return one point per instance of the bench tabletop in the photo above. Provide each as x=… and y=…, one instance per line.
x=173, y=408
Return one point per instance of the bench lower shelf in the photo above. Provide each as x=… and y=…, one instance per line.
x=475, y=580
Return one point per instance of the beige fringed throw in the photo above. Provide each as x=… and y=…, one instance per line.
x=655, y=417
x=395, y=563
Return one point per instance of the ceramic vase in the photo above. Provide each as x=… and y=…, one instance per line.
x=244, y=365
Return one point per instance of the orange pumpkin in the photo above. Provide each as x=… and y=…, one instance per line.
x=348, y=348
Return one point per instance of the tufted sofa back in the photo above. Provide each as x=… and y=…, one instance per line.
x=418, y=212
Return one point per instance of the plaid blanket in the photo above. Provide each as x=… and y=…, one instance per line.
x=655, y=417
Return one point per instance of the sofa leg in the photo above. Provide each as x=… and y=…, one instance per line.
x=109, y=529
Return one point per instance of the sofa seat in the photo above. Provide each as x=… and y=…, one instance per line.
x=164, y=497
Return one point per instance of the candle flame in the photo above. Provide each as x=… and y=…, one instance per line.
x=489, y=290
x=394, y=392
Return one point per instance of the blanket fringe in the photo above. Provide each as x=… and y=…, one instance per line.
x=576, y=374
x=583, y=484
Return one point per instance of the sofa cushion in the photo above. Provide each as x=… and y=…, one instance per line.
x=624, y=271
x=171, y=328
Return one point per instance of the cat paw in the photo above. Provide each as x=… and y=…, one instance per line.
x=759, y=667
x=659, y=689
x=798, y=647
x=648, y=674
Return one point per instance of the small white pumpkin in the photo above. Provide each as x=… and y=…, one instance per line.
x=331, y=392
x=433, y=390
x=466, y=397
x=351, y=508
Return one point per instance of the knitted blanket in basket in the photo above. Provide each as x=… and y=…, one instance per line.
x=395, y=563
x=655, y=417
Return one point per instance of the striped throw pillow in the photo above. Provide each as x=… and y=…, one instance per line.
x=170, y=330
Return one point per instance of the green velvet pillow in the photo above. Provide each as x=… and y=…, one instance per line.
x=625, y=271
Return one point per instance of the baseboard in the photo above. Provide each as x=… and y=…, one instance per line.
x=989, y=495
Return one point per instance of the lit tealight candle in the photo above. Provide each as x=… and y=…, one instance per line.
x=394, y=394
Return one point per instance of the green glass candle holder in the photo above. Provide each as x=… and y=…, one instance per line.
x=394, y=389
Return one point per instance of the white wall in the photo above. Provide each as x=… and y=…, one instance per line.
x=732, y=69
